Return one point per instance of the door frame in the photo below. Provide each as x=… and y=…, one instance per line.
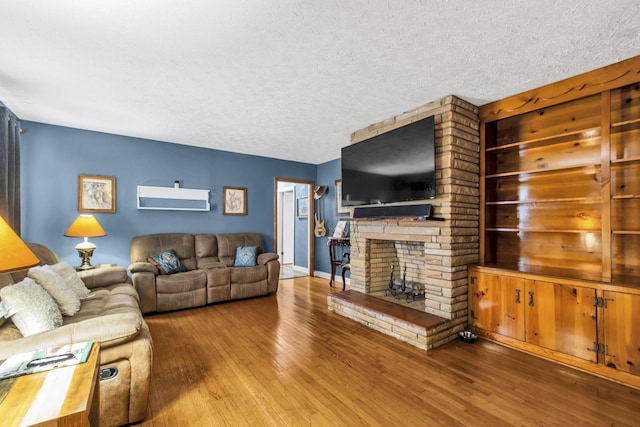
x=279, y=218
x=311, y=237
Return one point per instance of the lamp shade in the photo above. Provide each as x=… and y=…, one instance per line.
x=85, y=226
x=14, y=253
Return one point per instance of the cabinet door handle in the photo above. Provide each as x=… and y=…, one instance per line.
x=517, y=296
x=530, y=298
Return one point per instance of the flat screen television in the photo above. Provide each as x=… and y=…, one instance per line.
x=395, y=166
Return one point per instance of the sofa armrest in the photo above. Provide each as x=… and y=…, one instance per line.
x=144, y=283
x=264, y=258
x=140, y=267
x=109, y=330
x=104, y=276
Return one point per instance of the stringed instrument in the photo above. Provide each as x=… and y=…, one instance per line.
x=320, y=229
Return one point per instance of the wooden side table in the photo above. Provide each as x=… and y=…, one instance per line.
x=333, y=243
x=66, y=396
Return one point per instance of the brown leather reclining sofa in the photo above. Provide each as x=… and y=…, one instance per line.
x=211, y=275
x=111, y=316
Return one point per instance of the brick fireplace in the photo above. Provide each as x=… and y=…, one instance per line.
x=436, y=252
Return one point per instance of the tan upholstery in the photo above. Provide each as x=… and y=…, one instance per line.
x=210, y=276
x=110, y=315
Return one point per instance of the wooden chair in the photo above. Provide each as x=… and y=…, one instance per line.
x=345, y=265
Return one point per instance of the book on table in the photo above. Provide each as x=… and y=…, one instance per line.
x=45, y=359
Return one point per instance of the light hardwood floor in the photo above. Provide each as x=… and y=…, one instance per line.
x=286, y=360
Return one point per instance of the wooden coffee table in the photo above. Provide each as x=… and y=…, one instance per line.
x=66, y=396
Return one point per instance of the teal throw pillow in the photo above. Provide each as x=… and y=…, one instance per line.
x=167, y=262
x=245, y=256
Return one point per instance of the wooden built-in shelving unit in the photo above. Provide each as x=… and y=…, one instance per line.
x=560, y=222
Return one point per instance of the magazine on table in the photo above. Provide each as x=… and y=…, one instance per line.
x=45, y=359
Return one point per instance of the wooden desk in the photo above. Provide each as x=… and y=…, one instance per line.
x=66, y=396
x=333, y=243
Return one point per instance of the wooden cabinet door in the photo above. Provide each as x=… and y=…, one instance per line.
x=622, y=331
x=561, y=318
x=497, y=304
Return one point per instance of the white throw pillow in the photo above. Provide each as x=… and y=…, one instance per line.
x=52, y=282
x=5, y=312
x=35, y=310
x=70, y=276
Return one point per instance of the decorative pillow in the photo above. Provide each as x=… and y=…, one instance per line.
x=167, y=262
x=35, y=310
x=71, y=278
x=245, y=256
x=54, y=284
x=5, y=312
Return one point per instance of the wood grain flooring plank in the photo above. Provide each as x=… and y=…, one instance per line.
x=286, y=360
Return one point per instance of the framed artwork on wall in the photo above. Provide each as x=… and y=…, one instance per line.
x=96, y=193
x=302, y=207
x=235, y=201
x=340, y=210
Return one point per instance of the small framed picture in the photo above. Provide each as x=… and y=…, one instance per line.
x=235, y=201
x=340, y=210
x=302, y=207
x=96, y=193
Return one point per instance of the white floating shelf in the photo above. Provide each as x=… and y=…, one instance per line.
x=172, y=199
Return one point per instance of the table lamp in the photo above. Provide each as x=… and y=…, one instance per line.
x=14, y=253
x=85, y=226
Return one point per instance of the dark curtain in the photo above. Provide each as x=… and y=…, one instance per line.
x=10, y=168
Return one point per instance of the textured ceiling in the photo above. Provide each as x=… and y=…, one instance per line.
x=288, y=79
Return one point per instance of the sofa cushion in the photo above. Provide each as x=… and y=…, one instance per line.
x=248, y=274
x=181, y=243
x=67, y=300
x=36, y=311
x=71, y=277
x=206, y=246
x=245, y=256
x=181, y=282
x=227, y=244
x=167, y=262
x=204, y=263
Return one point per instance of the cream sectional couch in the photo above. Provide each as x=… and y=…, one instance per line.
x=211, y=275
x=109, y=315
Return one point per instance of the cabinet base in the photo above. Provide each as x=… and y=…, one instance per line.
x=599, y=370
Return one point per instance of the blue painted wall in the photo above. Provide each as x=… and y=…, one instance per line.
x=327, y=174
x=54, y=156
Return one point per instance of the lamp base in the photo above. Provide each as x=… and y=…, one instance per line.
x=85, y=254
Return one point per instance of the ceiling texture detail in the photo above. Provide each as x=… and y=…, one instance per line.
x=289, y=79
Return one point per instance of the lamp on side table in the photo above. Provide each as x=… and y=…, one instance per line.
x=85, y=226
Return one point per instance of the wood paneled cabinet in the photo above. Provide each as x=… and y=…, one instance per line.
x=621, y=331
x=549, y=315
x=495, y=304
x=561, y=318
x=587, y=323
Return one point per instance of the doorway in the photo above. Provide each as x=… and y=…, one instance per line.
x=294, y=226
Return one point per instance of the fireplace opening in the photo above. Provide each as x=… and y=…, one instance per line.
x=397, y=272
x=401, y=288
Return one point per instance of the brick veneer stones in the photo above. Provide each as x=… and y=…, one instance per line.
x=436, y=252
